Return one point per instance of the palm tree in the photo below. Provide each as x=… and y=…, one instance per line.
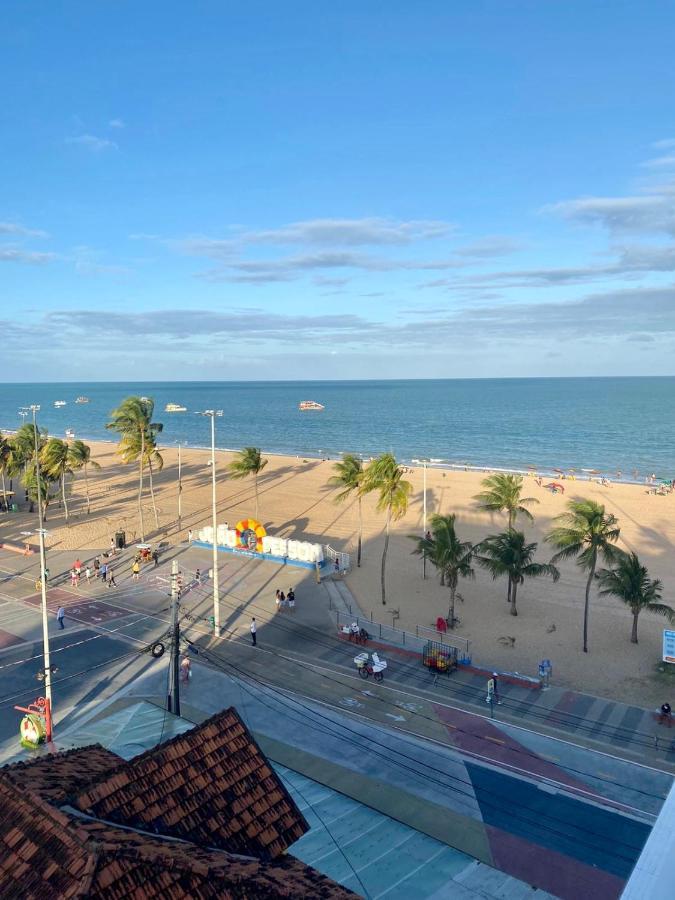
x=80, y=455
x=30, y=482
x=248, y=461
x=130, y=450
x=630, y=582
x=23, y=445
x=56, y=461
x=349, y=478
x=502, y=494
x=133, y=421
x=586, y=532
x=508, y=554
x=386, y=476
x=448, y=554
x=5, y=465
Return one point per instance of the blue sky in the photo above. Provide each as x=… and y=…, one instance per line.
x=296, y=189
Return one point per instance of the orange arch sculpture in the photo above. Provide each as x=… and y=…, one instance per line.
x=250, y=531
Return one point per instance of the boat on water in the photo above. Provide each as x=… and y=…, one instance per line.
x=310, y=404
x=175, y=407
x=59, y=403
x=82, y=400
x=145, y=400
x=70, y=433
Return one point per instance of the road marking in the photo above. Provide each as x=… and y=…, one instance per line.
x=495, y=740
x=395, y=718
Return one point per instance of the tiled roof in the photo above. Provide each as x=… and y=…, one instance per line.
x=219, y=812
x=211, y=785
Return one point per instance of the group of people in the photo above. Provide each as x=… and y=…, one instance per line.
x=101, y=569
x=285, y=601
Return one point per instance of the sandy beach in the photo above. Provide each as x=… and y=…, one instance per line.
x=295, y=501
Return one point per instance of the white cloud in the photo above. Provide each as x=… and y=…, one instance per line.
x=660, y=162
x=16, y=254
x=117, y=123
x=93, y=143
x=349, y=232
x=19, y=230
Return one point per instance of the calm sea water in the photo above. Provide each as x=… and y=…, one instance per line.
x=593, y=423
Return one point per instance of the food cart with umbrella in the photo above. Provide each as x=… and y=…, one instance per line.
x=144, y=552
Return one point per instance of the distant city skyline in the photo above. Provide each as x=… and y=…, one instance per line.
x=289, y=191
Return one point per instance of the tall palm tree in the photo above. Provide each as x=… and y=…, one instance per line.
x=585, y=532
x=130, y=450
x=56, y=461
x=133, y=421
x=630, y=582
x=502, y=494
x=248, y=461
x=385, y=475
x=508, y=554
x=5, y=465
x=80, y=455
x=349, y=478
x=448, y=554
x=23, y=445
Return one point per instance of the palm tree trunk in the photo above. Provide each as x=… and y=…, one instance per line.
x=4, y=498
x=358, y=544
x=508, y=592
x=510, y=520
x=152, y=494
x=591, y=575
x=140, y=485
x=514, y=591
x=384, y=558
x=451, y=611
x=633, y=635
x=86, y=485
x=63, y=494
x=442, y=577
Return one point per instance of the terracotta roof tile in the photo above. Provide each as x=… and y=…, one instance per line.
x=211, y=786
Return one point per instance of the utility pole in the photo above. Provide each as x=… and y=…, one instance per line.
x=214, y=521
x=43, y=584
x=173, y=700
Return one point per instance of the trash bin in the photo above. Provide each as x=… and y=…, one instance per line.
x=120, y=540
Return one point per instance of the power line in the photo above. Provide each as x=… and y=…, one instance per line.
x=388, y=757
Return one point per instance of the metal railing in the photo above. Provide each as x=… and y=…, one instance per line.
x=401, y=638
x=344, y=559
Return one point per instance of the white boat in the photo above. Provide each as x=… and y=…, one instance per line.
x=145, y=400
x=70, y=433
x=310, y=404
x=59, y=403
x=175, y=407
x=82, y=400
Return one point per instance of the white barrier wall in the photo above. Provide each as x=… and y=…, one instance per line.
x=303, y=551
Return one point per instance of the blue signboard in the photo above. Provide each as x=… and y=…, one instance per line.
x=668, y=646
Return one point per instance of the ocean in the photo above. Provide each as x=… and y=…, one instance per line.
x=601, y=425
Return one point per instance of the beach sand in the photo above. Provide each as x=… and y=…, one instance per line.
x=295, y=501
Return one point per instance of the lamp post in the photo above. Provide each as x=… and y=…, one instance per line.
x=43, y=582
x=424, y=514
x=216, y=600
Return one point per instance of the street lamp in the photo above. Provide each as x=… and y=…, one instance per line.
x=212, y=413
x=424, y=513
x=43, y=580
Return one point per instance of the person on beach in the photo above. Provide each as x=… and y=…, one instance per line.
x=111, y=578
x=254, y=629
x=135, y=570
x=60, y=614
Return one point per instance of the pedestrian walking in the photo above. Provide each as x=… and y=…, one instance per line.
x=74, y=578
x=78, y=566
x=135, y=570
x=198, y=577
x=277, y=599
x=112, y=546
x=495, y=689
x=666, y=715
x=60, y=614
x=97, y=567
x=185, y=672
x=111, y=578
x=189, y=535
x=87, y=574
x=254, y=629
x=104, y=572
x=283, y=603
x=155, y=557
x=290, y=596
